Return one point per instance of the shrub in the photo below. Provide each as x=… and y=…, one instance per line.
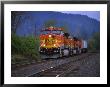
x=26, y=46
x=94, y=42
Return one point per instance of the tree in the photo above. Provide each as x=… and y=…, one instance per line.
x=97, y=40
x=50, y=22
x=78, y=31
x=94, y=42
x=16, y=20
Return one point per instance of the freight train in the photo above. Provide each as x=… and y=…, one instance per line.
x=55, y=43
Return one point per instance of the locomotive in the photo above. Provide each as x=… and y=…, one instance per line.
x=55, y=43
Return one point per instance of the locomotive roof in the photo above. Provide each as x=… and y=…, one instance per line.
x=52, y=29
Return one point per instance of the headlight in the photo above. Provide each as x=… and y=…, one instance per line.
x=50, y=35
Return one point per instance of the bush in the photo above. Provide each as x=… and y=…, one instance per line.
x=94, y=42
x=26, y=46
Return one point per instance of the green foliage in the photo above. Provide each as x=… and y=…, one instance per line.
x=50, y=23
x=94, y=42
x=26, y=46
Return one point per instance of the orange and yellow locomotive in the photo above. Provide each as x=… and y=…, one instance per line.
x=55, y=43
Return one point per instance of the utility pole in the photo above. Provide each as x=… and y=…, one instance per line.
x=35, y=34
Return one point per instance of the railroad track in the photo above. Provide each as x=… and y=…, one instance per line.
x=57, y=67
x=61, y=70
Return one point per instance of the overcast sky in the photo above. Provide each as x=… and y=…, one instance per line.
x=92, y=14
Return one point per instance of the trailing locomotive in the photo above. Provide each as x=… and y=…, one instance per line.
x=54, y=43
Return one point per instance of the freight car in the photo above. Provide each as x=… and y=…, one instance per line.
x=54, y=43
